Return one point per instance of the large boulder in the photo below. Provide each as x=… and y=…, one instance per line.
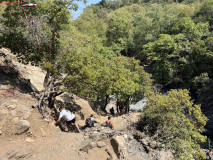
x=22, y=126
x=111, y=105
x=24, y=153
x=23, y=112
x=119, y=145
x=101, y=144
x=89, y=146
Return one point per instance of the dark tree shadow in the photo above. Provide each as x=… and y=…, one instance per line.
x=23, y=85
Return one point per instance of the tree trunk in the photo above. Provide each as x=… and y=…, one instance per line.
x=106, y=102
x=127, y=105
x=49, y=94
x=117, y=107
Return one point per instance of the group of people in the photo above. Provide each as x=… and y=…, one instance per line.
x=70, y=118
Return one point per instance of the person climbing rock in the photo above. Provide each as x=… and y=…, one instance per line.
x=108, y=123
x=90, y=122
x=68, y=116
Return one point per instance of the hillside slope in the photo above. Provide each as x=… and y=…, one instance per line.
x=20, y=85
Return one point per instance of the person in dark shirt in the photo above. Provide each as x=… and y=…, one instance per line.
x=108, y=123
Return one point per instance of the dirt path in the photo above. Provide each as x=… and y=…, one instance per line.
x=46, y=141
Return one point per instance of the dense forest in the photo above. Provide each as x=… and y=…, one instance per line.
x=123, y=48
x=173, y=39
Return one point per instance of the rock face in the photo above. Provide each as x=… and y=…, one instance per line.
x=22, y=126
x=127, y=145
x=118, y=144
x=101, y=144
x=112, y=104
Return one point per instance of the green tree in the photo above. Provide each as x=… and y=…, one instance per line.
x=205, y=13
x=174, y=120
x=161, y=52
x=120, y=31
x=191, y=30
x=34, y=34
x=94, y=75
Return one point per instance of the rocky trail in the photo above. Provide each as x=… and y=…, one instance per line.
x=24, y=134
x=46, y=141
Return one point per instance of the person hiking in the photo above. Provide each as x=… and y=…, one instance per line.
x=108, y=123
x=90, y=122
x=68, y=116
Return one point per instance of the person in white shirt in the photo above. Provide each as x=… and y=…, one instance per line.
x=68, y=116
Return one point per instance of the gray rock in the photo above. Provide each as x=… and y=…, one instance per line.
x=85, y=149
x=101, y=144
x=25, y=153
x=131, y=137
x=10, y=106
x=89, y=146
x=94, y=135
x=0, y=132
x=92, y=144
x=24, y=112
x=22, y=126
x=11, y=153
x=125, y=136
x=119, y=145
x=111, y=105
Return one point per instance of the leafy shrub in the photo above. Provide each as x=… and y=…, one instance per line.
x=201, y=83
x=173, y=120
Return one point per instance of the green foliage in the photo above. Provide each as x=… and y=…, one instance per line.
x=192, y=31
x=174, y=39
x=120, y=30
x=34, y=32
x=201, y=83
x=1, y=19
x=93, y=23
x=92, y=74
x=160, y=51
x=175, y=121
x=206, y=12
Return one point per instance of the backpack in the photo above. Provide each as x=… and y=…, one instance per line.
x=88, y=122
x=108, y=124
